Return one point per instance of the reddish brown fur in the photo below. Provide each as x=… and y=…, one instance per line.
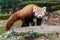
x=10, y=21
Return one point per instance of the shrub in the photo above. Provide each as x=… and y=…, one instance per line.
x=4, y=17
x=39, y=3
x=58, y=7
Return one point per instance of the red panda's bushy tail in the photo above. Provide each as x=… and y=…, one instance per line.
x=10, y=21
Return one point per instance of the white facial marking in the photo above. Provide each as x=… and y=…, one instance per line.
x=40, y=16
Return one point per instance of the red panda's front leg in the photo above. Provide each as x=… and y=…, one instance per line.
x=10, y=21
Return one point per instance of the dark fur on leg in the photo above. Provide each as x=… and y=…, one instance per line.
x=27, y=20
x=39, y=20
x=25, y=23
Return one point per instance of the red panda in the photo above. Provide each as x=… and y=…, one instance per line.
x=27, y=10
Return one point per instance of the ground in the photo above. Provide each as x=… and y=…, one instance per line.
x=48, y=26
x=44, y=28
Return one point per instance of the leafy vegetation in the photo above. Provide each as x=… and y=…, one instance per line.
x=3, y=16
x=39, y=3
x=58, y=7
x=8, y=4
x=10, y=35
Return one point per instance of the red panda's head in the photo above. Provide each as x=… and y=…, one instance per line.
x=39, y=11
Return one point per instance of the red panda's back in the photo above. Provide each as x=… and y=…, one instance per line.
x=26, y=10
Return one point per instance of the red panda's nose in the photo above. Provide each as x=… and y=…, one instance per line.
x=39, y=16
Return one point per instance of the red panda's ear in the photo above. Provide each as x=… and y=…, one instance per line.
x=44, y=9
x=34, y=9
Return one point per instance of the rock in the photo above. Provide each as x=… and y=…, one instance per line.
x=28, y=37
x=58, y=35
x=0, y=25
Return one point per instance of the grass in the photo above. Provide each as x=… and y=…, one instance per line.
x=3, y=17
x=2, y=30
